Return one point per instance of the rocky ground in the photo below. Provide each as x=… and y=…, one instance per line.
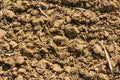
x=59, y=39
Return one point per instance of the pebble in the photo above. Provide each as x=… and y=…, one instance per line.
x=19, y=77
x=21, y=70
x=71, y=32
x=2, y=33
x=9, y=14
x=13, y=44
x=67, y=69
x=57, y=68
x=19, y=60
x=9, y=61
x=98, y=50
x=113, y=37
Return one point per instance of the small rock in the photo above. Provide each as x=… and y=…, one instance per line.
x=15, y=24
x=6, y=46
x=71, y=32
x=19, y=77
x=40, y=70
x=92, y=74
x=19, y=60
x=63, y=54
x=43, y=51
x=98, y=50
x=58, y=23
x=67, y=69
x=60, y=40
x=13, y=44
x=34, y=12
x=110, y=48
x=113, y=37
x=68, y=19
x=103, y=77
x=43, y=64
x=9, y=14
x=57, y=68
x=106, y=34
x=21, y=5
x=9, y=61
x=74, y=70
x=21, y=70
x=62, y=75
x=35, y=21
x=67, y=78
x=34, y=63
x=2, y=33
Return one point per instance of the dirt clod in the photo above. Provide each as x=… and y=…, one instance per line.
x=57, y=68
x=59, y=39
x=71, y=32
x=2, y=33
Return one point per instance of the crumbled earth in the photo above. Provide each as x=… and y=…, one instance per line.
x=59, y=39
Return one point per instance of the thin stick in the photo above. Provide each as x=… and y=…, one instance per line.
x=103, y=62
x=42, y=11
x=107, y=56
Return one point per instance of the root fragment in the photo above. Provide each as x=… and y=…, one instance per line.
x=107, y=56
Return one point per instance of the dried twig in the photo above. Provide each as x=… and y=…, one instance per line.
x=107, y=56
x=104, y=62
x=42, y=11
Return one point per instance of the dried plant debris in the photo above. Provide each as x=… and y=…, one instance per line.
x=59, y=39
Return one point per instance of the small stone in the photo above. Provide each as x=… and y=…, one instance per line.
x=67, y=78
x=2, y=33
x=62, y=75
x=63, y=54
x=113, y=37
x=21, y=70
x=68, y=19
x=19, y=77
x=67, y=69
x=43, y=64
x=13, y=44
x=74, y=70
x=34, y=12
x=39, y=70
x=98, y=50
x=60, y=40
x=9, y=14
x=6, y=46
x=19, y=60
x=106, y=34
x=9, y=61
x=15, y=24
x=71, y=32
x=34, y=63
x=92, y=73
x=58, y=23
x=57, y=68
x=35, y=21
x=103, y=77
x=110, y=48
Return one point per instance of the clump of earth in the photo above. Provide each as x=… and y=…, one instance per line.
x=59, y=39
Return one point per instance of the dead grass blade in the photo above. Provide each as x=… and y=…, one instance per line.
x=107, y=56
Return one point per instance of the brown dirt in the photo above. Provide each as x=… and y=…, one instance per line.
x=59, y=39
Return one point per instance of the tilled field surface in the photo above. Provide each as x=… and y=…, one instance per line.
x=59, y=39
